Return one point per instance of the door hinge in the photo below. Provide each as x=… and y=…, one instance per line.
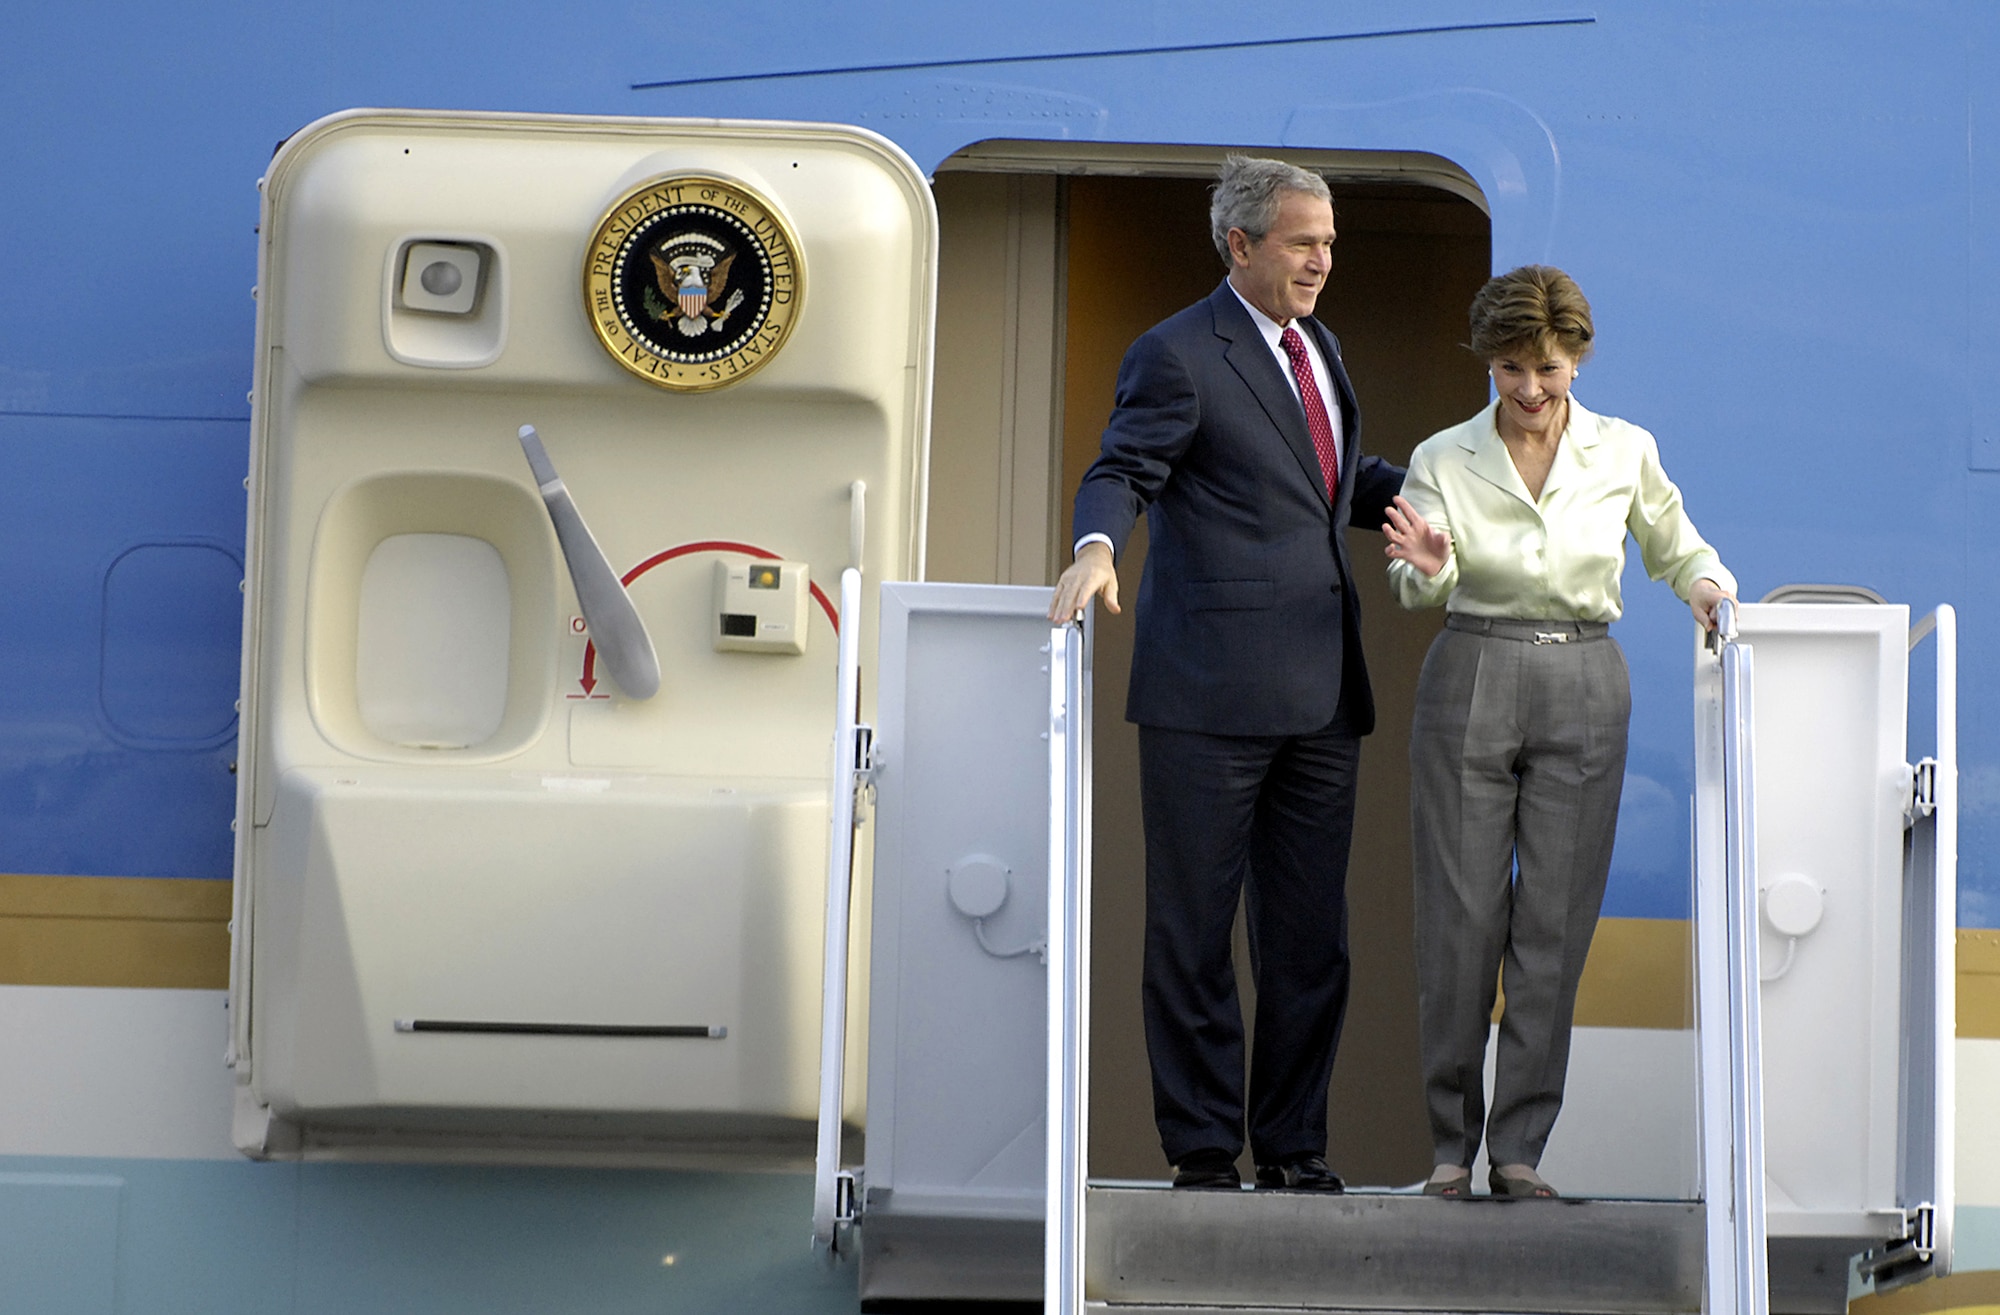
x=1923, y=789
x=867, y=768
x=1907, y=1258
x=846, y=1198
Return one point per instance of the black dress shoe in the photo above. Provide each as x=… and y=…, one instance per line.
x=1212, y=1170
x=1303, y=1173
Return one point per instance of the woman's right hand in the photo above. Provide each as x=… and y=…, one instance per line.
x=1411, y=539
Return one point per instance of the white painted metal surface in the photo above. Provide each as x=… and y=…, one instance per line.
x=828, y=1189
x=1736, y=1271
x=1854, y=996
x=957, y=1027
x=1069, y=966
x=1928, y=1172
x=1944, y=940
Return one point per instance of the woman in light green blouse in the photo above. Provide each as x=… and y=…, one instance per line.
x=1516, y=521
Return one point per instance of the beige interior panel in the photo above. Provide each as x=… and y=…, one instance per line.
x=993, y=495
x=519, y=844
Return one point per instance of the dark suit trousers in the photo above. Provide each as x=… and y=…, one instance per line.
x=1267, y=820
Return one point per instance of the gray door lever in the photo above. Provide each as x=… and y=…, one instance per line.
x=614, y=623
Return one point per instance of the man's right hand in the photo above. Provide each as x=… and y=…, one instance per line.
x=1091, y=574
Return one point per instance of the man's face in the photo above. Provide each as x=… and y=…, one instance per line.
x=1283, y=274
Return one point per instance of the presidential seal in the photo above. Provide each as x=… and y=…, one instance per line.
x=692, y=282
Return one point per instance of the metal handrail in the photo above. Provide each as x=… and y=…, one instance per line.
x=1732, y=1124
x=1945, y=852
x=1069, y=967
x=1751, y=1277
x=828, y=1183
x=1934, y=894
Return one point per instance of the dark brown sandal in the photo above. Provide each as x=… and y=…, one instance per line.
x=1528, y=1186
x=1452, y=1189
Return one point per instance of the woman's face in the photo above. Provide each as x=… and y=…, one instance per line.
x=1534, y=392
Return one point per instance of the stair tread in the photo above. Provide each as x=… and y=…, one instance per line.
x=1248, y=1251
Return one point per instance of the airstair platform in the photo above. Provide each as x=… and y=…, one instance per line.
x=1154, y=1251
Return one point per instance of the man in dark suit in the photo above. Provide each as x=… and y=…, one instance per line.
x=1236, y=431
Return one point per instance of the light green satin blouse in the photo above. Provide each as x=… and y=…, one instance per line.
x=1559, y=558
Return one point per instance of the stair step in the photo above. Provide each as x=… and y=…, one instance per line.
x=1123, y=1308
x=1151, y=1249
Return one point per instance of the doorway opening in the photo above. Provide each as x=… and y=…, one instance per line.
x=1054, y=256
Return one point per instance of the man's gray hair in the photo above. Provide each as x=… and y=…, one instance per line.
x=1248, y=192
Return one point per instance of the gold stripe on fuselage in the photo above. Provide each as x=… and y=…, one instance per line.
x=174, y=932
x=114, y=931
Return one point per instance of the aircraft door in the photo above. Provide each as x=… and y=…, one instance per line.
x=563, y=429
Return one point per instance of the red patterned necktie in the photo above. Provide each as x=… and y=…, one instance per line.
x=1316, y=420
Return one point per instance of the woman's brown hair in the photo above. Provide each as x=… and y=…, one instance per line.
x=1536, y=310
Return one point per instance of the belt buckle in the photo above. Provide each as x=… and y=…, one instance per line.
x=1551, y=637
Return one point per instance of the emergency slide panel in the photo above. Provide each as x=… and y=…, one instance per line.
x=560, y=436
x=959, y=944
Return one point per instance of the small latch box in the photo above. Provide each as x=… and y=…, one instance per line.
x=760, y=607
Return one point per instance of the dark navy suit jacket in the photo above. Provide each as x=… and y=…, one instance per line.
x=1247, y=621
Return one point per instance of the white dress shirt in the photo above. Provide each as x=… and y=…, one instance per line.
x=1273, y=333
x=1557, y=558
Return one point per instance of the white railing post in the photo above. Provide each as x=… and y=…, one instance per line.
x=1945, y=1097
x=1732, y=1126
x=1927, y=1180
x=830, y=1184
x=1069, y=967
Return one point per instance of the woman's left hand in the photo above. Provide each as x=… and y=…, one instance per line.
x=1703, y=598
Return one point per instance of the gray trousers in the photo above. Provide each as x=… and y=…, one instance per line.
x=1517, y=759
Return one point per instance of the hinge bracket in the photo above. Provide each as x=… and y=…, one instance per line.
x=1907, y=1258
x=1923, y=788
x=867, y=768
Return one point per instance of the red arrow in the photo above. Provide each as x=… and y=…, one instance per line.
x=589, y=680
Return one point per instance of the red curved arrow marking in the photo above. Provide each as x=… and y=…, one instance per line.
x=589, y=681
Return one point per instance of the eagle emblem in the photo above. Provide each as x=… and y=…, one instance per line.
x=692, y=273
x=692, y=283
